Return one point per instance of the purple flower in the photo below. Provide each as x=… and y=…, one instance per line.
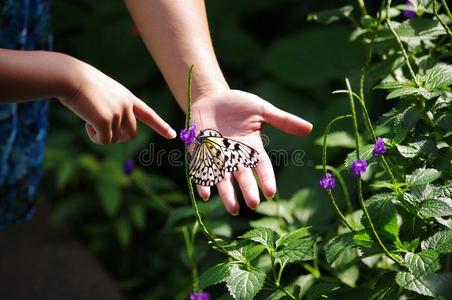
x=199, y=296
x=188, y=135
x=128, y=166
x=407, y=13
x=328, y=182
x=359, y=166
x=379, y=148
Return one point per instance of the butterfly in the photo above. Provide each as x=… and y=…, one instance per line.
x=214, y=155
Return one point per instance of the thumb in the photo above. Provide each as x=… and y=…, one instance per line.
x=285, y=121
x=149, y=117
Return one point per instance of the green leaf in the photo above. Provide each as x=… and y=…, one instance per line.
x=337, y=245
x=390, y=85
x=261, y=235
x=214, y=275
x=422, y=263
x=322, y=290
x=245, y=251
x=423, y=176
x=292, y=59
x=298, y=249
x=244, y=284
x=441, y=242
x=365, y=152
x=138, y=215
x=439, y=76
x=276, y=209
x=338, y=139
x=290, y=237
x=110, y=197
x=405, y=122
x=331, y=15
x=402, y=92
x=414, y=149
x=384, y=216
x=385, y=288
x=435, y=208
x=429, y=285
x=363, y=239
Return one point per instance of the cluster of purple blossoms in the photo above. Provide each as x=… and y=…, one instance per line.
x=328, y=182
x=199, y=296
x=408, y=13
x=188, y=135
x=379, y=148
x=359, y=166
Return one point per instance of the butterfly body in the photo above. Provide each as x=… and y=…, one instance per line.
x=214, y=155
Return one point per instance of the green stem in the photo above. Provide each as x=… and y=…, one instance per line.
x=402, y=48
x=362, y=7
x=189, y=245
x=370, y=128
x=449, y=32
x=329, y=192
x=189, y=183
x=447, y=9
x=360, y=192
x=344, y=188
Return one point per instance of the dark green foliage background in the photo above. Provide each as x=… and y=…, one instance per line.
x=264, y=46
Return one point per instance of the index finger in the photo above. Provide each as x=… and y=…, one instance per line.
x=149, y=117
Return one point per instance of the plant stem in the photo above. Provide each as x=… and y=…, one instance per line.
x=362, y=7
x=330, y=193
x=189, y=183
x=189, y=245
x=360, y=192
x=402, y=48
x=342, y=184
x=449, y=32
x=447, y=9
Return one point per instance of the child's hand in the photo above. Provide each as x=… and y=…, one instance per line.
x=241, y=116
x=109, y=109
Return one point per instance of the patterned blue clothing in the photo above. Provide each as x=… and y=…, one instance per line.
x=24, y=25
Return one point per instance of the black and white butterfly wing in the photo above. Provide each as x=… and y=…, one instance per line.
x=205, y=168
x=214, y=155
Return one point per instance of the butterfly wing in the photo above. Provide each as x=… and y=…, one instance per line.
x=235, y=152
x=206, y=168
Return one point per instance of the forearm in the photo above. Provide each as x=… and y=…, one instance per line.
x=27, y=75
x=177, y=36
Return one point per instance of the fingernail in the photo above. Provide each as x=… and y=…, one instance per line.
x=172, y=133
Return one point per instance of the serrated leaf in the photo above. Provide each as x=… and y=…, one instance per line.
x=438, y=77
x=385, y=288
x=290, y=237
x=389, y=85
x=361, y=238
x=423, y=176
x=384, y=216
x=276, y=209
x=261, y=235
x=429, y=285
x=422, y=263
x=245, y=251
x=298, y=250
x=337, y=245
x=214, y=275
x=331, y=15
x=244, y=284
x=441, y=242
x=404, y=122
x=412, y=283
x=414, y=149
x=402, y=92
x=435, y=208
x=365, y=152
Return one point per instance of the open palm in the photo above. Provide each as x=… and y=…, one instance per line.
x=241, y=116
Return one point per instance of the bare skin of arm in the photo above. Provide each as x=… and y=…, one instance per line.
x=109, y=109
x=177, y=36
